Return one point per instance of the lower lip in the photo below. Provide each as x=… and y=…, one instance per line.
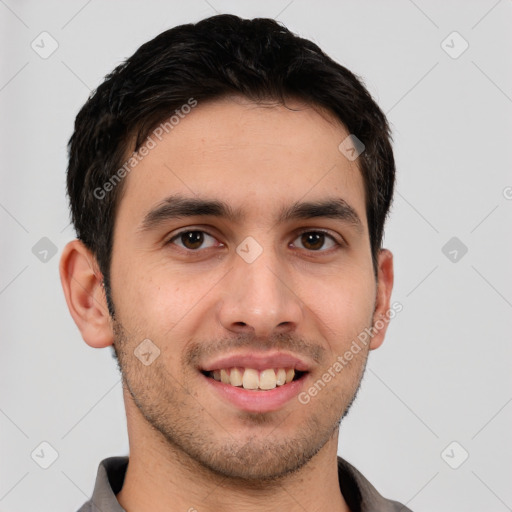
x=257, y=401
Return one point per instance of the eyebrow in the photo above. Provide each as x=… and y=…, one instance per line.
x=178, y=206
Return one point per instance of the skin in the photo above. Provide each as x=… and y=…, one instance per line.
x=188, y=446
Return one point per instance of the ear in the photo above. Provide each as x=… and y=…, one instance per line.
x=82, y=284
x=381, y=315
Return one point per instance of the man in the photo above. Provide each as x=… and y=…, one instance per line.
x=229, y=185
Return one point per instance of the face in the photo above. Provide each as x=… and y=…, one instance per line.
x=274, y=274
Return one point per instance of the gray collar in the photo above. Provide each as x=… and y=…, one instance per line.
x=358, y=492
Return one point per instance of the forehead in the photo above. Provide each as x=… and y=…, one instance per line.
x=256, y=157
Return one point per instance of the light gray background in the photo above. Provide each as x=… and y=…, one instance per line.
x=443, y=373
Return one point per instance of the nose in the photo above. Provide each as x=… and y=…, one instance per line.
x=259, y=298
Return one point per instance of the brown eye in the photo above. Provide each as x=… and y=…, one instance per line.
x=192, y=240
x=316, y=240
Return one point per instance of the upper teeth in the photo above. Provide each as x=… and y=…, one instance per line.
x=250, y=378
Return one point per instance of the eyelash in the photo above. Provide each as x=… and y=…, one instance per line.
x=337, y=244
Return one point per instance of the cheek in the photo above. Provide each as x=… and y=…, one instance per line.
x=164, y=299
x=344, y=306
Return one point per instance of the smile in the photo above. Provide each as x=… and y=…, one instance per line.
x=256, y=380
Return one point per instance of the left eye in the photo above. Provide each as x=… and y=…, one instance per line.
x=193, y=240
x=315, y=240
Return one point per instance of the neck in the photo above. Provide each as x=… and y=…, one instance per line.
x=160, y=477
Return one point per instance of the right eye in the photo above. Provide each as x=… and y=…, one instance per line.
x=192, y=240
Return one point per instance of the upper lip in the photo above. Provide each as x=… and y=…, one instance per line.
x=257, y=361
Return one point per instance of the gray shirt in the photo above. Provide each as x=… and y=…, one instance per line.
x=358, y=492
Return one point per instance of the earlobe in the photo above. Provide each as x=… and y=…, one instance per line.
x=381, y=316
x=82, y=284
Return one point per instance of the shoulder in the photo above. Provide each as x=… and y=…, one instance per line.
x=360, y=494
x=109, y=481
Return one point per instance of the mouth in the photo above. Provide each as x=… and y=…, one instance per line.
x=253, y=379
x=256, y=382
